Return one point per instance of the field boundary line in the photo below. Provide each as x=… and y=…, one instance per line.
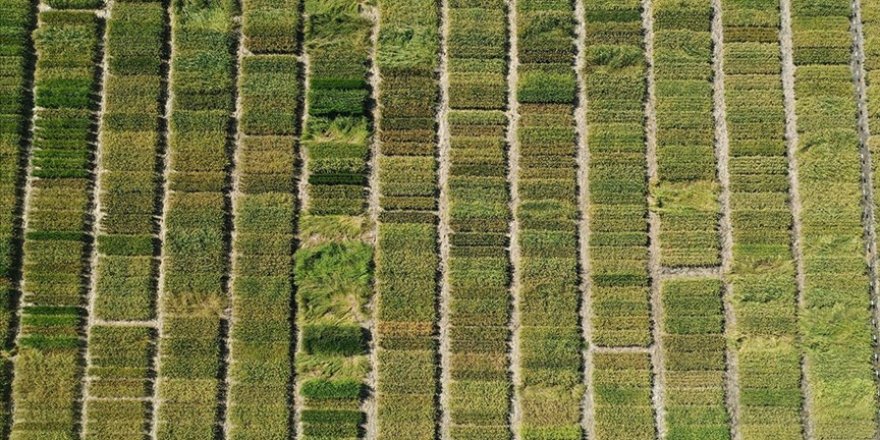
x=302, y=194
x=867, y=181
x=443, y=170
x=163, y=228
x=654, y=267
x=583, y=185
x=722, y=154
x=513, y=152
x=369, y=405
x=792, y=140
x=93, y=219
x=233, y=198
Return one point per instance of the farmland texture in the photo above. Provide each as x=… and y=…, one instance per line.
x=439, y=219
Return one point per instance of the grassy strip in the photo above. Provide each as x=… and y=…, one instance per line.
x=125, y=269
x=15, y=25
x=48, y=370
x=269, y=89
x=194, y=249
x=479, y=268
x=762, y=275
x=835, y=317
x=406, y=254
x=693, y=357
x=334, y=270
x=616, y=90
x=686, y=193
x=548, y=213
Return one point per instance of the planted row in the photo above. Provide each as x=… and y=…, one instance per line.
x=762, y=274
x=125, y=272
x=550, y=339
x=334, y=264
x=686, y=190
x=16, y=22
x=694, y=359
x=479, y=268
x=194, y=249
x=834, y=319
x=615, y=85
x=48, y=368
x=616, y=90
x=406, y=250
x=260, y=365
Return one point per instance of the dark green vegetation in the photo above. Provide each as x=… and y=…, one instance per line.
x=48, y=373
x=194, y=249
x=269, y=90
x=406, y=248
x=550, y=340
x=434, y=220
x=16, y=23
x=120, y=358
x=334, y=263
x=479, y=268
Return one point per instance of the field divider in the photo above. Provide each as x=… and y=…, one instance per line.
x=722, y=154
x=96, y=216
x=654, y=266
x=792, y=140
x=867, y=181
x=369, y=406
x=583, y=186
x=233, y=198
x=443, y=230
x=513, y=155
x=164, y=184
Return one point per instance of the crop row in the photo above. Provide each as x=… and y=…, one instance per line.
x=406, y=254
x=260, y=366
x=694, y=365
x=550, y=339
x=16, y=22
x=762, y=274
x=622, y=395
x=46, y=387
x=615, y=87
x=479, y=268
x=686, y=192
x=835, y=319
x=334, y=265
x=195, y=249
x=120, y=358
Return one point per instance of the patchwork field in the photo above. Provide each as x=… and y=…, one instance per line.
x=439, y=219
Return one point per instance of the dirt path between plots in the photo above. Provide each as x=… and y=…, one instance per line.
x=654, y=267
x=583, y=161
x=369, y=405
x=722, y=155
x=513, y=152
x=443, y=159
x=867, y=179
x=791, y=134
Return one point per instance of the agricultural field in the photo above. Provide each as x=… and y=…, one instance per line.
x=439, y=219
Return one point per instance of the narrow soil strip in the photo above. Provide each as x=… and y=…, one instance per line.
x=722, y=157
x=513, y=152
x=791, y=134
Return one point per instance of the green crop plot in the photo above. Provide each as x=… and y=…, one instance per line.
x=439, y=219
